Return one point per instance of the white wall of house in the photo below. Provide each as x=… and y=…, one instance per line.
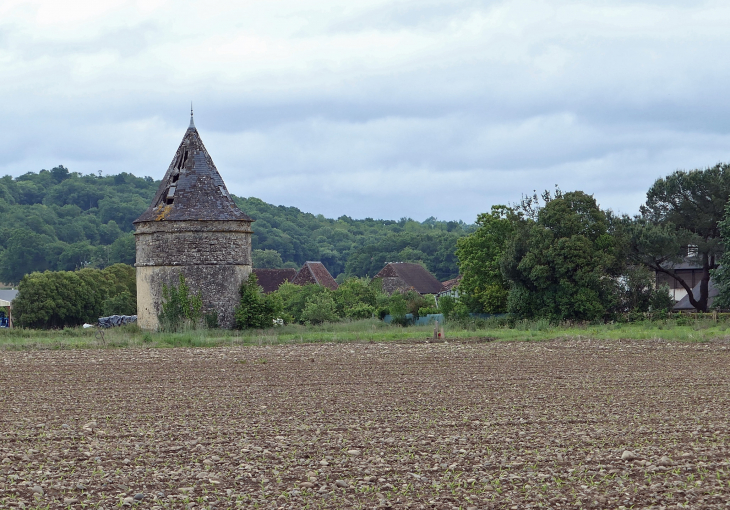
x=677, y=294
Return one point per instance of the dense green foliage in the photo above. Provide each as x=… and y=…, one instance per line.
x=58, y=220
x=564, y=260
x=721, y=275
x=683, y=209
x=479, y=254
x=354, y=247
x=70, y=298
x=256, y=309
x=356, y=298
x=564, y=265
x=180, y=308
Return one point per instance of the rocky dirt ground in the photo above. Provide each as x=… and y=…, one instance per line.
x=560, y=424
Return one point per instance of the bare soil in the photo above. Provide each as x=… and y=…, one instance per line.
x=448, y=425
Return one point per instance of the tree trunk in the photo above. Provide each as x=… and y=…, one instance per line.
x=699, y=304
x=704, y=285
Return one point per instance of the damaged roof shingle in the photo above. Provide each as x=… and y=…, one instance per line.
x=192, y=188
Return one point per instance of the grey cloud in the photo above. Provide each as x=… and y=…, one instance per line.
x=447, y=133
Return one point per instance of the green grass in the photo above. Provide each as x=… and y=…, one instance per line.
x=371, y=330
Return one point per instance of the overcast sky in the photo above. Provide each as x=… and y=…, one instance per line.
x=381, y=108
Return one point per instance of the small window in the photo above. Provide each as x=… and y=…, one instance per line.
x=171, y=192
x=175, y=178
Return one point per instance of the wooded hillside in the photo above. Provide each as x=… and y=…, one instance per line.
x=61, y=220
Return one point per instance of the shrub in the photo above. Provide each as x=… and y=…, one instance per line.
x=415, y=301
x=211, y=320
x=256, y=309
x=56, y=299
x=294, y=298
x=354, y=296
x=179, y=308
x=398, y=309
x=446, y=305
x=319, y=309
x=360, y=311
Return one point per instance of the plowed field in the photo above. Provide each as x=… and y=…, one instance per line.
x=562, y=424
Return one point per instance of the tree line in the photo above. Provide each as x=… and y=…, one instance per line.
x=560, y=256
x=60, y=220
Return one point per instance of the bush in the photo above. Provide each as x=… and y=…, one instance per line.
x=415, y=301
x=320, y=309
x=354, y=297
x=446, y=305
x=180, y=309
x=398, y=308
x=294, y=298
x=256, y=309
x=211, y=320
x=422, y=312
x=57, y=299
x=360, y=311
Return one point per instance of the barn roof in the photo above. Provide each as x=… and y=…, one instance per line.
x=414, y=275
x=192, y=188
x=315, y=272
x=271, y=279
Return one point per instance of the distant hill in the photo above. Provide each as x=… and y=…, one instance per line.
x=61, y=220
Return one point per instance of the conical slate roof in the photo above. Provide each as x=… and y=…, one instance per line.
x=192, y=188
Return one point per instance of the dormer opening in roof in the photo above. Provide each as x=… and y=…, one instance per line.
x=192, y=228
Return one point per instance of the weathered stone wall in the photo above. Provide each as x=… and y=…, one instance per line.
x=214, y=257
x=392, y=284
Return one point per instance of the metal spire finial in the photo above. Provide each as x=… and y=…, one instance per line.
x=192, y=124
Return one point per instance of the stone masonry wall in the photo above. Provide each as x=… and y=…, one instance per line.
x=392, y=284
x=214, y=257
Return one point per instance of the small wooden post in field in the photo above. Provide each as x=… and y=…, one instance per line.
x=436, y=330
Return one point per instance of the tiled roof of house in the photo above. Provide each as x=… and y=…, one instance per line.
x=414, y=275
x=271, y=279
x=315, y=272
x=192, y=188
x=450, y=284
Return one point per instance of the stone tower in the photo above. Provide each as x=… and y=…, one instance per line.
x=193, y=228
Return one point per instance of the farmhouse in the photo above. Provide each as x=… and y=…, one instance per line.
x=404, y=276
x=192, y=228
x=315, y=272
x=450, y=288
